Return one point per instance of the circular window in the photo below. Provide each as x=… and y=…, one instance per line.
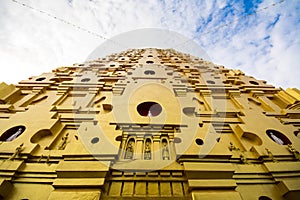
x=12, y=133
x=278, y=137
x=199, y=141
x=149, y=72
x=254, y=82
x=95, y=140
x=85, y=80
x=40, y=79
x=150, y=109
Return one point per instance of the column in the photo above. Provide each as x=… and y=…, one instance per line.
x=156, y=148
x=138, y=151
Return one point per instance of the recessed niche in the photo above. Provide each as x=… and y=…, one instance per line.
x=149, y=72
x=252, y=138
x=85, y=80
x=199, y=141
x=40, y=79
x=254, y=82
x=12, y=133
x=42, y=137
x=278, y=137
x=95, y=140
x=149, y=108
x=149, y=62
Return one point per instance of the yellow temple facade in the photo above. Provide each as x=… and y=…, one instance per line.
x=148, y=124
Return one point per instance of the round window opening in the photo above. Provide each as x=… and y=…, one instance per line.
x=254, y=82
x=85, y=80
x=150, y=109
x=95, y=140
x=149, y=72
x=278, y=137
x=199, y=141
x=12, y=133
x=40, y=79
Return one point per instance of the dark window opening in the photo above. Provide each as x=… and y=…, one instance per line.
x=254, y=82
x=85, y=80
x=40, y=79
x=12, y=133
x=150, y=109
x=149, y=72
x=278, y=137
x=95, y=140
x=118, y=138
x=199, y=141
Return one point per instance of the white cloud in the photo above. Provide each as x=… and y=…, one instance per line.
x=32, y=42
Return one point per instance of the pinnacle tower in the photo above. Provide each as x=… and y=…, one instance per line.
x=148, y=123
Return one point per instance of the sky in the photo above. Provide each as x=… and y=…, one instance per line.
x=261, y=37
